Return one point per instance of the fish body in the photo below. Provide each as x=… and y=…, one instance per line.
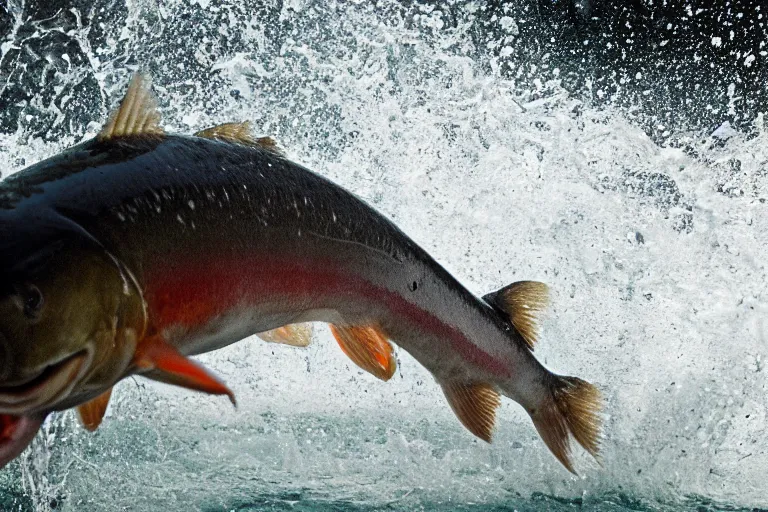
x=224, y=241
x=196, y=242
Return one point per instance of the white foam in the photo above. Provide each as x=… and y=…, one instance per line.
x=499, y=184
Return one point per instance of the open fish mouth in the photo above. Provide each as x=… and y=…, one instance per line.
x=53, y=383
x=16, y=432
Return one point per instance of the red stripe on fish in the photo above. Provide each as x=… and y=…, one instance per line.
x=468, y=350
x=194, y=291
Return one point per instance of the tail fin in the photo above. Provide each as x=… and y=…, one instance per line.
x=573, y=408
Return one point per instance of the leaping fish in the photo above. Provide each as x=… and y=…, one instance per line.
x=132, y=251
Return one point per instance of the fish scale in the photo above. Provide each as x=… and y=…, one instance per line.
x=186, y=244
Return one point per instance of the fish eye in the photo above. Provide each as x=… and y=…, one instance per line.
x=32, y=301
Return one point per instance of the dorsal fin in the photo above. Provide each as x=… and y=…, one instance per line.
x=520, y=303
x=137, y=114
x=239, y=133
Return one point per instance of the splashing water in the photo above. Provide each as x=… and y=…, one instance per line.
x=655, y=257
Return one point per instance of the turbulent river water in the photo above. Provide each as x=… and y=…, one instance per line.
x=655, y=254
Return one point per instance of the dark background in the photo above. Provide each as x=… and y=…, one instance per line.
x=653, y=59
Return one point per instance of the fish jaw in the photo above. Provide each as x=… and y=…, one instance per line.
x=55, y=382
x=16, y=433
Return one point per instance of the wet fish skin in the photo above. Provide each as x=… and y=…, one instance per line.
x=254, y=204
x=197, y=243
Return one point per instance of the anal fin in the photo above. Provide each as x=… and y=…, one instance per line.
x=92, y=412
x=475, y=405
x=368, y=348
x=296, y=335
x=163, y=360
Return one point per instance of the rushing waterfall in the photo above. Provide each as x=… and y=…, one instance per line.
x=654, y=242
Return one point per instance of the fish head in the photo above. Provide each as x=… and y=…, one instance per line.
x=69, y=323
x=67, y=314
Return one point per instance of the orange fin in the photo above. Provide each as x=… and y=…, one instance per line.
x=368, y=348
x=573, y=407
x=239, y=133
x=137, y=114
x=92, y=412
x=296, y=335
x=475, y=405
x=161, y=358
x=521, y=303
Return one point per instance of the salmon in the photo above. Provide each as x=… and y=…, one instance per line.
x=132, y=251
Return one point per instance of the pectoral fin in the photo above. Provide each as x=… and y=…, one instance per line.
x=475, y=405
x=91, y=413
x=296, y=335
x=157, y=356
x=368, y=348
